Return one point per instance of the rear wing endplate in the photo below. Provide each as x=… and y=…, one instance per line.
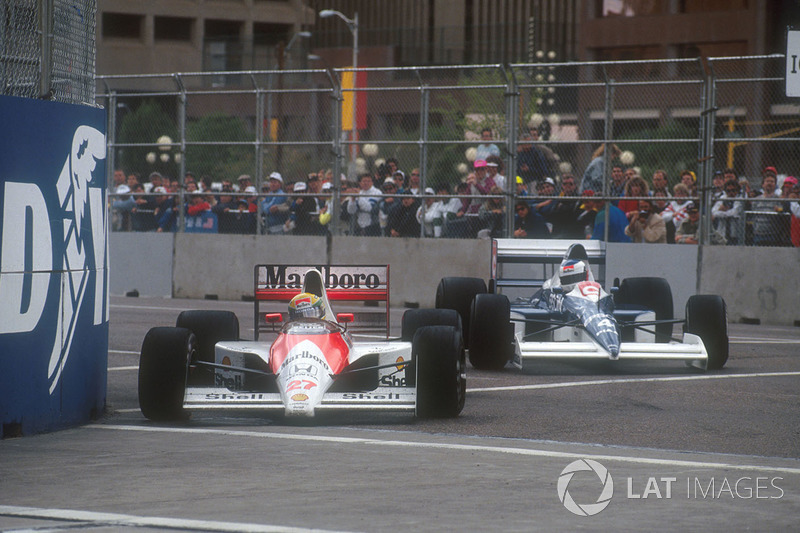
x=343, y=283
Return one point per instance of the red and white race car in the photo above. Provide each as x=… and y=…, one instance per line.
x=314, y=364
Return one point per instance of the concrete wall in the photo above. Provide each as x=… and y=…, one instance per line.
x=757, y=283
x=223, y=264
x=141, y=262
x=676, y=263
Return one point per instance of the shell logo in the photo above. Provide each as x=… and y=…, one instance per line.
x=299, y=397
x=401, y=363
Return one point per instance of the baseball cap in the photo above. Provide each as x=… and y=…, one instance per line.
x=244, y=177
x=327, y=185
x=250, y=189
x=429, y=190
x=276, y=176
x=691, y=206
x=300, y=186
x=791, y=180
x=480, y=163
x=550, y=181
x=519, y=180
x=770, y=170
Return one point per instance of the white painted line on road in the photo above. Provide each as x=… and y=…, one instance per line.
x=450, y=446
x=117, y=368
x=125, y=352
x=632, y=380
x=115, y=520
x=758, y=340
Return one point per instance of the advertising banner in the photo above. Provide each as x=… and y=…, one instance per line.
x=53, y=265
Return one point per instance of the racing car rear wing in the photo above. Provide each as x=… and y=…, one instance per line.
x=527, y=263
x=343, y=283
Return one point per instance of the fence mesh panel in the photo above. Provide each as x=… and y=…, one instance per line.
x=545, y=121
x=47, y=49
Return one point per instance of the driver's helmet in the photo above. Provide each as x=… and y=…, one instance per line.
x=572, y=272
x=306, y=305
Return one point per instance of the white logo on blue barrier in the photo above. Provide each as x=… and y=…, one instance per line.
x=30, y=252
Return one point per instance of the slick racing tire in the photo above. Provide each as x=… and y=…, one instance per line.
x=438, y=354
x=652, y=293
x=458, y=293
x=413, y=319
x=491, y=332
x=209, y=327
x=707, y=317
x=163, y=366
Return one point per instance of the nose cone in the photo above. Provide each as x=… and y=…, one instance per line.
x=603, y=328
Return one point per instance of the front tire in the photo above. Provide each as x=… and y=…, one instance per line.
x=491, y=332
x=457, y=293
x=438, y=353
x=707, y=317
x=163, y=365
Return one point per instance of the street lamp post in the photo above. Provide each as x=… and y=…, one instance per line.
x=352, y=25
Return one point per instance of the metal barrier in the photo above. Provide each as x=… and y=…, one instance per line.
x=543, y=120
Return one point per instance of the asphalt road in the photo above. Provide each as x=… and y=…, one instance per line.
x=682, y=449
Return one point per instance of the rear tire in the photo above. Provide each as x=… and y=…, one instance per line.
x=163, y=365
x=457, y=293
x=707, y=317
x=209, y=327
x=491, y=332
x=438, y=354
x=413, y=319
x=652, y=293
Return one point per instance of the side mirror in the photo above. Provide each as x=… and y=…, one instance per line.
x=345, y=318
x=274, y=318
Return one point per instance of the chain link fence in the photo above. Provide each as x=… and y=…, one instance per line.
x=484, y=150
x=47, y=49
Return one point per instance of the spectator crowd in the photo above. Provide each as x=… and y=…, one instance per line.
x=547, y=203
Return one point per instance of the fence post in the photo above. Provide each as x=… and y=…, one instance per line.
x=336, y=146
x=423, y=149
x=706, y=167
x=608, y=138
x=46, y=49
x=182, y=165
x=111, y=136
x=512, y=108
x=259, y=153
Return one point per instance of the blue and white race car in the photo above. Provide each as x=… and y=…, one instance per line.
x=570, y=316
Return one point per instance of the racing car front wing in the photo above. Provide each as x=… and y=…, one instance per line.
x=398, y=399
x=691, y=350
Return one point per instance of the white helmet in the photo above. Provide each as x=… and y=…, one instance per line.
x=572, y=272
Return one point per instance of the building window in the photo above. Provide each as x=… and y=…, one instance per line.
x=172, y=29
x=632, y=8
x=122, y=26
x=706, y=6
